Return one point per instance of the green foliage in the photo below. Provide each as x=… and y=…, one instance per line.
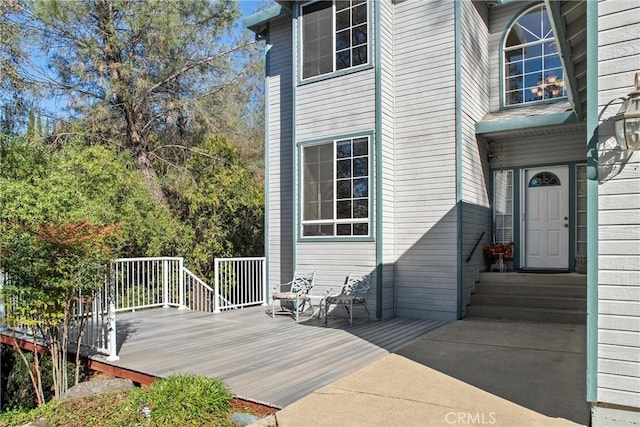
x=173, y=401
x=40, y=183
x=17, y=392
x=223, y=203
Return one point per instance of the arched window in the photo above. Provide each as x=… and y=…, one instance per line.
x=532, y=66
x=544, y=179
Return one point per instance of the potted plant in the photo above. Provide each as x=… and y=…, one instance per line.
x=496, y=251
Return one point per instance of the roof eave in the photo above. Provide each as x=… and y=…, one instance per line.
x=258, y=22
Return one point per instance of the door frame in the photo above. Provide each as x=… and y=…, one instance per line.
x=568, y=191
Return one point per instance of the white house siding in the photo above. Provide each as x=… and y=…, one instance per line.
x=425, y=184
x=336, y=106
x=333, y=261
x=279, y=154
x=475, y=167
x=387, y=161
x=619, y=222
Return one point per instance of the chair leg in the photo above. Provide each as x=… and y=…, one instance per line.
x=350, y=314
x=273, y=308
x=296, y=308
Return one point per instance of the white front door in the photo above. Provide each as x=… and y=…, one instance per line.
x=546, y=219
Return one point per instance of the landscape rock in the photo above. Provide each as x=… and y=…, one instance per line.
x=242, y=419
x=268, y=421
x=91, y=388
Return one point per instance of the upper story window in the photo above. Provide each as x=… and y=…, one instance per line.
x=335, y=36
x=335, y=188
x=532, y=66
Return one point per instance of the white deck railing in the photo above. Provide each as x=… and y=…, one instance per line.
x=240, y=282
x=142, y=283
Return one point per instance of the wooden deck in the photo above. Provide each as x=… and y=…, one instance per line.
x=271, y=361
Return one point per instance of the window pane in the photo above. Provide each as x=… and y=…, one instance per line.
x=317, y=43
x=343, y=59
x=318, y=181
x=361, y=166
x=533, y=65
x=361, y=208
x=533, y=51
x=343, y=20
x=359, y=55
x=342, y=4
x=514, y=97
x=359, y=35
x=342, y=39
x=343, y=168
x=361, y=187
x=344, y=189
x=360, y=147
x=343, y=149
x=514, y=83
x=344, y=230
x=361, y=229
x=343, y=209
x=514, y=69
x=360, y=14
x=513, y=55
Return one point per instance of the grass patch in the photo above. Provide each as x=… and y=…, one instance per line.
x=172, y=401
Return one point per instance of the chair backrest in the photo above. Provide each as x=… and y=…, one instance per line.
x=356, y=285
x=302, y=282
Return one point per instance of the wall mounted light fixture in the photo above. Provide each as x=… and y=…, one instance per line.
x=627, y=121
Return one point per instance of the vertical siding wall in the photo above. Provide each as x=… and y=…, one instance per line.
x=326, y=109
x=279, y=154
x=619, y=218
x=475, y=167
x=388, y=160
x=425, y=180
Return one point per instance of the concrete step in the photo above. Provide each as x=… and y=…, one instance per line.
x=568, y=279
x=531, y=289
x=527, y=314
x=543, y=302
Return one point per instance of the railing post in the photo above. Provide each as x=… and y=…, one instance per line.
x=216, y=294
x=165, y=283
x=265, y=288
x=112, y=344
x=181, y=291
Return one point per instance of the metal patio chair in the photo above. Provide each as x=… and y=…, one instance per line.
x=293, y=295
x=353, y=293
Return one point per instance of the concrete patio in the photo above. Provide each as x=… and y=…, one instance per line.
x=471, y=372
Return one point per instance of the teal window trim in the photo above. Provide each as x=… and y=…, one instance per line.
x=299, y=185
x=505, y=32
x=336, y=73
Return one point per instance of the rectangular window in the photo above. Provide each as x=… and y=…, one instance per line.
x=335, y=186
x=503, y=206
x=335, y=36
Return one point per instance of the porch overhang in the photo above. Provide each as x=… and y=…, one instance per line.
x=485, y=127
x=258, y=22
x=515, y=119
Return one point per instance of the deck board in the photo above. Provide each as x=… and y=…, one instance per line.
x=274, y=361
